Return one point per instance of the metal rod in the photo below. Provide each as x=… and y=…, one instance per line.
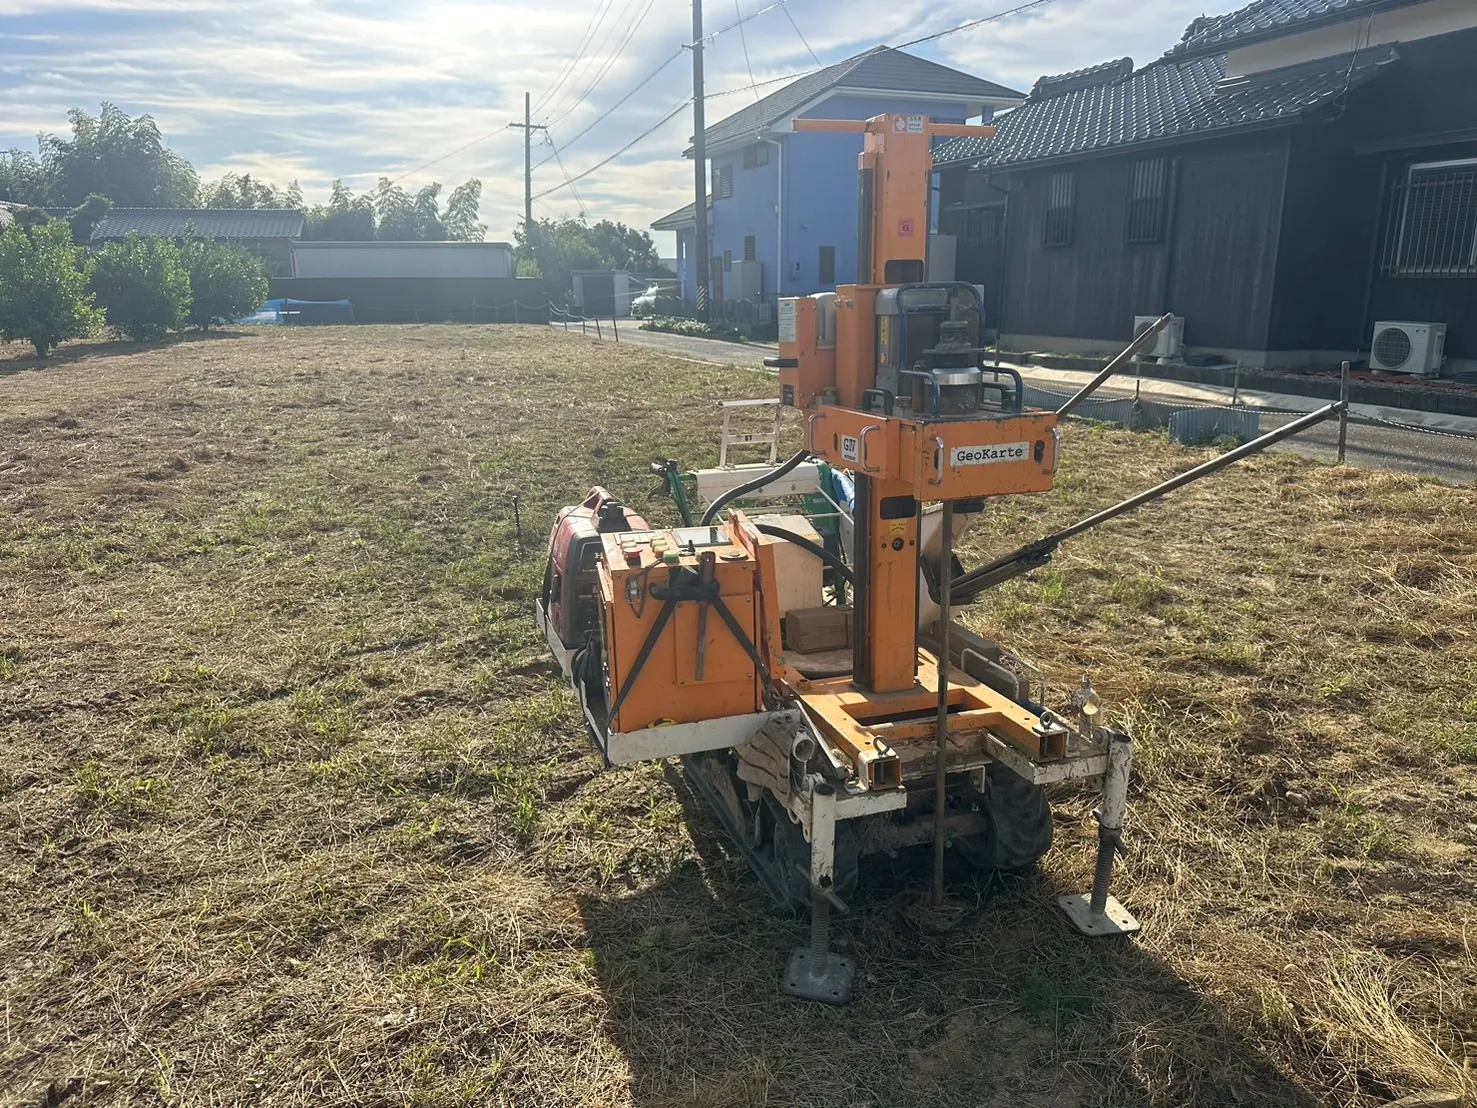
x=1344, y=410
x=1115, y=365
x=1110, y=817
x=1039, y=552
x=517, y=527
x=941, y=767
x=1231, y=457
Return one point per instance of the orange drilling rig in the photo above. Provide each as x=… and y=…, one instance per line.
x=822, y=733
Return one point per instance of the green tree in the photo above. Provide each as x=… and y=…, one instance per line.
x=460, y=217
x=142, y=286
x=559, y=247
x=121, y=158
x=85, y=217
x=390, y=213
x=22, y=178
x=43, y=287
x=226, y=282
x=345, y=218
x=242, y=191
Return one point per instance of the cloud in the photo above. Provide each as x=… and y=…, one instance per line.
x=315, y=90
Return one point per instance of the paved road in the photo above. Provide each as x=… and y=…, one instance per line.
x=1448, y=458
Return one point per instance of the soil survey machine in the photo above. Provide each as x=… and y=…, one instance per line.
x=822, y=732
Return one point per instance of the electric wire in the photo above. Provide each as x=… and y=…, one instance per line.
x=747, y=64
x=786, y=9
x=548, y=138
x=612, y=109
x=606, y=161
x=611, y=56
x=567, y=69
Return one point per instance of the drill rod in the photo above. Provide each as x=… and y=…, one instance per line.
x=941, y=767
x=1140, y=341
x=1038, y=553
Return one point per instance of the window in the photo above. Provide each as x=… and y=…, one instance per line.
x=1431, y=222
x=827, y=265
x=756, y=155
x=728, y=261
x=1061, y=194
x=749, y=248
x=722, y=182
x=1146, y=191
x=975, y=226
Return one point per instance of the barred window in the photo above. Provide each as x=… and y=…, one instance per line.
x=1060, y=198
x=750, y=251
x=727, y=261
x=1146, y=191
x=756, y=155
x=979, y=226
x=722, y=182
x=1431, y=222
x=828, y=265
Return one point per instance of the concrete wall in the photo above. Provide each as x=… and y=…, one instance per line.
x=402, y=259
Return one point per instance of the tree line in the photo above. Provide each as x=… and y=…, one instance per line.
x=125, y=162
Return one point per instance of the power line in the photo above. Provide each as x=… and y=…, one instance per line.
x=611, y=110
x=586, y=40
x=786, y=9
x=550, y=140
x=609, y=62
x=745, y=40
x=974, y=23
x=643, y=135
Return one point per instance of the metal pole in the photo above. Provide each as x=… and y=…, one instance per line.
x=527, y=166
x=699, y=169
x=528, y=129
x=1344, y=410
x=941, y=748
x=1116, y=364
x=1236, y=387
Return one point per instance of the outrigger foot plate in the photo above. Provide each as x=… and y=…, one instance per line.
x=1114, y=919
x=827, y=979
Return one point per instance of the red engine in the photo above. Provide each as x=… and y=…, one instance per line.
x=574, y=546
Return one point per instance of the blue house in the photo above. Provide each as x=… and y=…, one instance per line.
x=782, y=207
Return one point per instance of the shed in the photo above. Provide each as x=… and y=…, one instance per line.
x=402, y=259
x=266, y=232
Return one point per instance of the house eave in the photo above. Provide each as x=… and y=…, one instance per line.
x=1329, y=19
x=1126, y=148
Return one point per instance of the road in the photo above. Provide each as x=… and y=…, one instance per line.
x=1447, y=457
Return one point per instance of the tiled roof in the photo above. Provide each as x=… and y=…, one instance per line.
x=1167, y=100
x=213, y=223
x=1271, y=18
x=682, y=217
x=879, y=68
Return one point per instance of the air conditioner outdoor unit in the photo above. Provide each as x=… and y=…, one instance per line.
x=1170, y=342
x=1400, y=346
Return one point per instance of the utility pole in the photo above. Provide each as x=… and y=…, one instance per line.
x=701, y=265
x=528, y=128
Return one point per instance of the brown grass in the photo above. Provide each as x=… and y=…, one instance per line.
x=294, y=811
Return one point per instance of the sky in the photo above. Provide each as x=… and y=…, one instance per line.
x=311, y=91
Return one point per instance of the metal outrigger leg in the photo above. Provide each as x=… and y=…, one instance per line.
x=815, y=972
x=1098, y=913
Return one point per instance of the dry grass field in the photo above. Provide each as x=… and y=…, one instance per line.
x=292, y=810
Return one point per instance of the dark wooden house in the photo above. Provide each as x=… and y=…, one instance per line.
x=1284, y=178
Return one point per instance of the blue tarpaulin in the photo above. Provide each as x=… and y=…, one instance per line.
x=303, y=311
x=316, y=311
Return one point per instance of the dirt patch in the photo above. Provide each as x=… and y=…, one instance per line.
x=296, y=812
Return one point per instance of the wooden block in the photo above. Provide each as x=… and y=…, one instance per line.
x=811, y=629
